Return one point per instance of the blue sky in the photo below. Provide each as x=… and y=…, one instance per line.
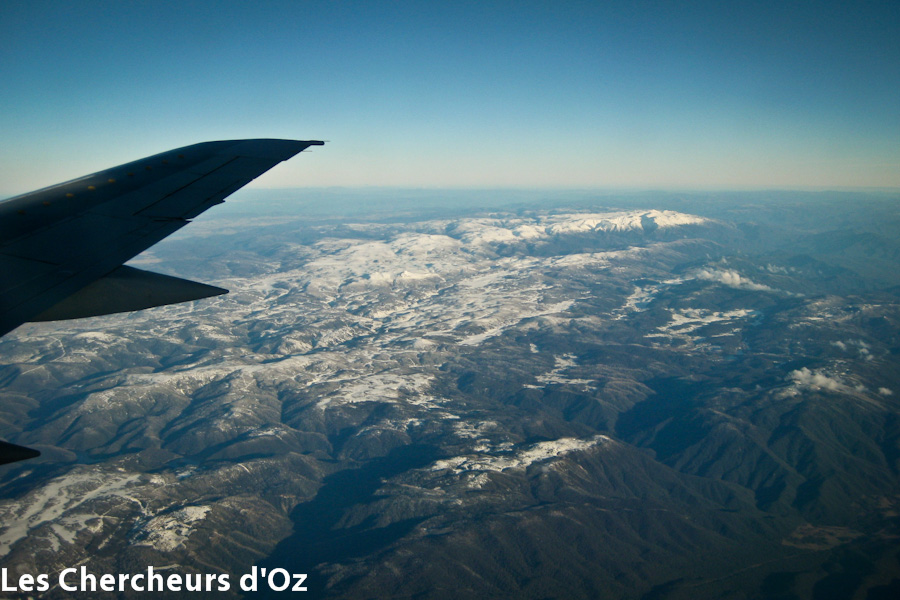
x=462, y=94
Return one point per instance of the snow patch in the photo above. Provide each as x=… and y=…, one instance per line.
x=535, y=453
x=64, y=503
x=557, y=375
x=685, y=322
x=169, y=531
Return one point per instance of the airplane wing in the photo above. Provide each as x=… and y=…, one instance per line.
x=62, y=248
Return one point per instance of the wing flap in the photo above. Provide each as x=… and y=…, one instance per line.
x=79, y=235
x=203, y=193
x=132, y=202
x=17, y=273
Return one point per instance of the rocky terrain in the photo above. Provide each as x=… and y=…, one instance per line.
x=651, y=396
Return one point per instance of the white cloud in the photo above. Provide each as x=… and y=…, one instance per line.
x=861, y=345
x=731, y=278
x=815, y=380
x=885, y=391
x=776, y=269
x=805, y=379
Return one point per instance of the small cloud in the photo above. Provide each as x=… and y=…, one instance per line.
x=864, y=351
x=732, y=279
x=862, y=347
x=885, y=391
x=776, y=269
x=817, y=381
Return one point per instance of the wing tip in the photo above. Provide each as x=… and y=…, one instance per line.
x=271, y=148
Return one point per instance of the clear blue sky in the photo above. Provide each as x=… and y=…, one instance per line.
x=434, y=94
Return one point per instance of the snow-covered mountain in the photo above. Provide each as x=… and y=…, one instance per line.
x=547, y=402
